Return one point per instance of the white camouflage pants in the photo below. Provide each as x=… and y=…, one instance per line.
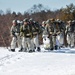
x=16, y=41
x=26, y=43
x=70, y=39
x=60, y=38
x=35, y=42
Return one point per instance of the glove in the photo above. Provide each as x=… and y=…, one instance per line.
x=13, y=34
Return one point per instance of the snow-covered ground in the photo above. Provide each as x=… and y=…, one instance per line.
x=60, y=62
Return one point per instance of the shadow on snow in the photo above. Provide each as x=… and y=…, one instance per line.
x=62, y=50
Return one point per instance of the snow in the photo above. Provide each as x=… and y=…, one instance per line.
x=57, y=62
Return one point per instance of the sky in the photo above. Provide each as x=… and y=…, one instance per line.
x=24, y=5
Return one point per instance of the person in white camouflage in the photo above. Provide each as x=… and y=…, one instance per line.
x=46, y=40
x=70, y=29
x=61, y=36
x=26, y=33
x=53, y=31
x=35, y=33
x=15, y=34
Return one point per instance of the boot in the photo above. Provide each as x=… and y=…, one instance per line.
x=24, y=50
x=56, y=47
x=34, y=46
x=51, y=49
x=38, y=49
x=33, y=50
x=30, y=51
x=21, y=50
x=13, y=50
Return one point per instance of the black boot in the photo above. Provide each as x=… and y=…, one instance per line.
x=51, y=49
x=38, y=49
x=34, y=46
x=56, y=47
x=13, y=50
x=33, y=50
x=24, y=50
x=21, y=50
x=30, y=51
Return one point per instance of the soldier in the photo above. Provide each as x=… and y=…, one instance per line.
x=20, y=23
x=53, y=31
x=50, y=32
x=26, y=33
x=73, y=25
x=60, y=37
x=35, y=31
x=46, y=40
x=73, y=34
x=15, y=34
x=70, y=34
